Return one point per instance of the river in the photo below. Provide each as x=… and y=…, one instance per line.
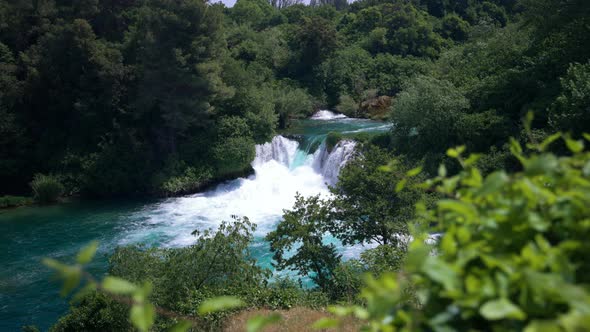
x=282, y=168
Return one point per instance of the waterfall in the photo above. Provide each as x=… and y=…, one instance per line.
x=291, y=154
x=280, y=149
x=329, y=164
x=327, y=115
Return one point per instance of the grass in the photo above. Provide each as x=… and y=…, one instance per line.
x=297, y=319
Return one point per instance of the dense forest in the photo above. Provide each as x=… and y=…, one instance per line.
x=162, y=97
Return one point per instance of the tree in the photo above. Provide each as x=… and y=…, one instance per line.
x=409, y=31
x=425, y=115
x=454, y=27
x=303, y=229
x=316, y=40
x=571, y=109
x=173, y=45
x=367, y=207
x=291, y=103
x=234, y=150
x=344, y=73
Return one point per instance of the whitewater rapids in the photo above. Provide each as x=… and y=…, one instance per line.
x=262, y=197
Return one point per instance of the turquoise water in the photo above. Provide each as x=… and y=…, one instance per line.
x=29, y=296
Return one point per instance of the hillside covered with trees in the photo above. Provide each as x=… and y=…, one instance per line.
x=163, y=97
x=151, y=97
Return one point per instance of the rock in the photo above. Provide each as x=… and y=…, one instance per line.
x=376, y=108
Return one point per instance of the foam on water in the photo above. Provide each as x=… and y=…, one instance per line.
x=261, y=197
x=282, y=168
x=327, y=115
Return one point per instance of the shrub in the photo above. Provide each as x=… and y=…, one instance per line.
x=348, y=106
x=332, y=139
x=571, y=110
x=46, y=188
x=513, y=254
x=14, y=201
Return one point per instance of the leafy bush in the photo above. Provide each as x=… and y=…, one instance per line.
x=571, y=110
x=426, y=115
x=95, y=312
x=234, y=155
x=348, y=106
x=512, y=256
x=46, y=188
x=14, y=201
x=332, y=140
x=190, y=180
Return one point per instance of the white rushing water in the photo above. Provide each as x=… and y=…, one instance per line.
x=261, y=197
x=327, y=115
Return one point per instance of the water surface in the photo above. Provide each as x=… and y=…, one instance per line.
x=283, y=167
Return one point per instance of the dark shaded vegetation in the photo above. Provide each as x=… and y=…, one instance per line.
x=160, y=96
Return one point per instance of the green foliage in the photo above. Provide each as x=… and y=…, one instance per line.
x=302, y=229
x=332, y=140
x=46, y=188
x=14, y=201
x=210, y=263
x=571, y=109
x=291, y=103
x=367, y=207
x=217, y=263
x=455, y=27
x=511, y=255
x=426, y=113
x=344, y=73
x=179, y=178
x=95, y=312
x=348, y=106
x=384, y=258
x=233, y=155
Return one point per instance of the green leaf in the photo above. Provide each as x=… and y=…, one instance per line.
x=462, y=208
x=340, y=310
x=472, y=159
x=501, y=309
x=258, y=322
x=87, y=253
x=89, y=288
x=441, y=272
x=540, y=165
x=542, y=326
x=182, y=326
x=528, y=120
x=54, y=264
x=493, y=183
x=547, y=141
x=143, y=316
x=574, y=146
x=400, y=185
x=385, y=168
x=326, y=323
x=452, y=153
x=118, y=286
x=71, y=275
x=442, y=171
x=415, y=171
x=220, y=303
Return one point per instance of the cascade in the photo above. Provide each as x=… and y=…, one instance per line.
x=280, y=149
x=327, y=115
x=292, y=155
x=329, y=164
